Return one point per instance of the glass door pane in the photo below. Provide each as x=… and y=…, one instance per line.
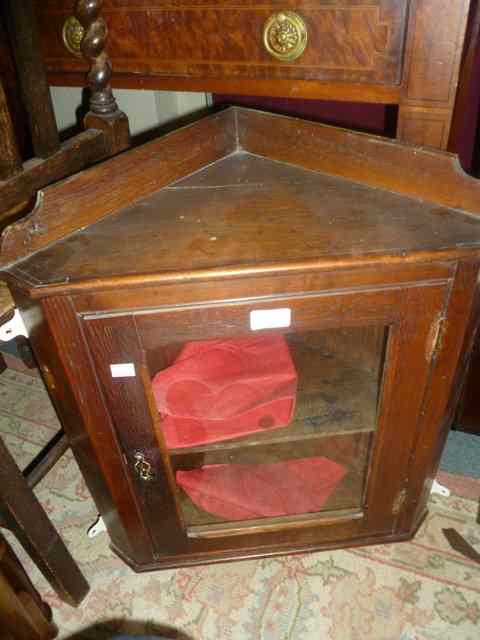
x=269, y=425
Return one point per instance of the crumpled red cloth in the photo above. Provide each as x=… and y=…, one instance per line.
x=248, y=491
x=221, y=389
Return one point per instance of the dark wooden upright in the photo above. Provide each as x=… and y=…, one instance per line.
x=23, y=614
x=25, y=42
x=21, y=512
x=10, y=161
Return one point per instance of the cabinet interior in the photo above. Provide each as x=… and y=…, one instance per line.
x=338, y=387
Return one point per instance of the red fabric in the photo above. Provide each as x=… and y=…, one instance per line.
x=221, y=389
x=243, y=491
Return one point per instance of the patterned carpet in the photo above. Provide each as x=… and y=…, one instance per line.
x=421, y=590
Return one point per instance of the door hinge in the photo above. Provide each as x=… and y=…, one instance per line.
x=399, y=501
x=438, y=334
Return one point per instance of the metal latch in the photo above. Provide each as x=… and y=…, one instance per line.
x=143, y=467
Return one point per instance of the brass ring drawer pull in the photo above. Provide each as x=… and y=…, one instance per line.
x=285, y=35
x=72, y=34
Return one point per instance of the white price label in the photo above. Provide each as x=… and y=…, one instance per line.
x=270, y=318
x=123, y=370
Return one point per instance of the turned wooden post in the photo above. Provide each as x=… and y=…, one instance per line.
x=104, y=113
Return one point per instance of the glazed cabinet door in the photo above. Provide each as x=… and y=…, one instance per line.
x=258, y=425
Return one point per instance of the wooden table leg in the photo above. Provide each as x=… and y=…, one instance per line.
x=25, y=517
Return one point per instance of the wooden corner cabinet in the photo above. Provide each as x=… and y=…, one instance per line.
x=253, y=330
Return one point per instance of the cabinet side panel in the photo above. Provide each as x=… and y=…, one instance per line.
x=60, y=346
x=453, y=349
x=43, y=344
x=409, y=350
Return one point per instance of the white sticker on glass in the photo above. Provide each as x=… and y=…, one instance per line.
x=270, y=318
x=124, y=370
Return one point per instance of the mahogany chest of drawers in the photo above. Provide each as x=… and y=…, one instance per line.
x=394, y=52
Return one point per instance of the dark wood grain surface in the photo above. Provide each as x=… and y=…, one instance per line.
x=432, y=65
x=25, y=43
x=73, y=155
x=402, y=168
x=450, y=361
x=380, y=51
x=22, y=513
x=23, y=613
x=91, y=195
x=55, y=334
x=10, y=160
x=125, y=399
x=224, y=216
x=349, y=40
x=411, y=311
x=96, y=193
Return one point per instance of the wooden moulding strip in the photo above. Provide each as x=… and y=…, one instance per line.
x=229, y=272
x=307, y=89
x=416, y=172
x=93, y=194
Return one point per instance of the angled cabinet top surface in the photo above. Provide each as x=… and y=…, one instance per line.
x=243, y=191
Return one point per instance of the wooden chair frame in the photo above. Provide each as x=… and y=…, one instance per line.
x=106, y=127
x=106, y=133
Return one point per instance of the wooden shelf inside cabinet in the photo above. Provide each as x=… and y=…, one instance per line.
x=359, y=255
x=206, y=526
x=292, y=438
x=334, y=398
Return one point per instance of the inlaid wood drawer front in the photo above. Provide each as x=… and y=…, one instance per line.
x=346, y=40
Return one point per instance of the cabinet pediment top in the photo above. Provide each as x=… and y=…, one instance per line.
x=249, y=148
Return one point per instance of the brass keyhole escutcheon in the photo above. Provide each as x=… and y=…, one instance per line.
x=285, y=35
x=73, y=34
x=143, y=467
